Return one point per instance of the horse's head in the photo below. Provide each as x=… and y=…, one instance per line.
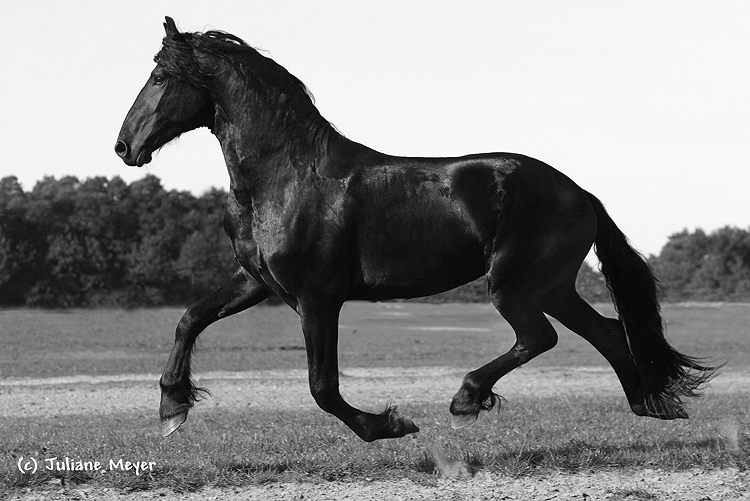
x=167, y=106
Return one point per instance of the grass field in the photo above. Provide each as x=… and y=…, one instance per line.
x=552, y=425
x=61, y=343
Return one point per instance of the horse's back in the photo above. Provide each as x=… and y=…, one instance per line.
x=425, y=225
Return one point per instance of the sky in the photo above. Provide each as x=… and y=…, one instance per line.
x=644, y=104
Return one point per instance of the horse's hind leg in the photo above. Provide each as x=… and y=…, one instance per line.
x=178, y=393
x=534, y=335
x=320, y=327
x=534, y=255
x=607, y=335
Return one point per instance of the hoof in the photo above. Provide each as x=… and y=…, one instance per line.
x=469, y=402
x=168, y=426
x=410, y=427
x=388, y=424
x=399, y=425
x=463, y=420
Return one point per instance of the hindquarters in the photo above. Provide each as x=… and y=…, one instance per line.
x=543, y=232
x=654, y=375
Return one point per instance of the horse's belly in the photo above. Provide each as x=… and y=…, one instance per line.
x=416, y=251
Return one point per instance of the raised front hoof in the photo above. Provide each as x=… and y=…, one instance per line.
x=170, y=425
x=664, y=411
x=174, y=408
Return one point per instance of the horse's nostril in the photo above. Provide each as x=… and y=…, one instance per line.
x=122, y=148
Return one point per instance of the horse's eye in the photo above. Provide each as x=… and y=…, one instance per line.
x=158, y=80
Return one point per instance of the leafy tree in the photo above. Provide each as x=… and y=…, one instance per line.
x=697, y=266
x=678, y=262
x=724, y=271
x=23, y=244
x=206, y=260
x=69, y=242
x=151, y=271
x=11, y=204
x=203, y=264
x=8, y=264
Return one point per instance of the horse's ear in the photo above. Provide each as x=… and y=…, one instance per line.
x=170, y=27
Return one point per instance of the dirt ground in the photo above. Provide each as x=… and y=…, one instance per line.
x=135, y=393
x=646, y=484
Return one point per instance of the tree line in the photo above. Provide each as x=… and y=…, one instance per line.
x=103, y=242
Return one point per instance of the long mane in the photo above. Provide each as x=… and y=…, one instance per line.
x=180, y=52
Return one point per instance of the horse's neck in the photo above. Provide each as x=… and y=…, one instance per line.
x=270, y=143
x=264, y=149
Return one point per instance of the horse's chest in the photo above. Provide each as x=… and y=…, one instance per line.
x=239, y=228
x=261, y=233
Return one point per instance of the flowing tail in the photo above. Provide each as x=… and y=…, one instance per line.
x=666, y=374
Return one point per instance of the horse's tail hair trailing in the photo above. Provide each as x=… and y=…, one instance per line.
x=665, y=373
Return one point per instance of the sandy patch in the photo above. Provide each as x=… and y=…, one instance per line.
x=647, y=484
x=368, y=388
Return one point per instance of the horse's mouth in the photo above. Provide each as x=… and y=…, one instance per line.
x=144, y=157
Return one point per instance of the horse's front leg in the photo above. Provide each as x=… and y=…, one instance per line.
x=320, y=327
x=178, y=393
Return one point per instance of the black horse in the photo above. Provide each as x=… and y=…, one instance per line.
x=318, y=219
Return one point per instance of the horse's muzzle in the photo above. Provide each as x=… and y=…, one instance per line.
x=125, y=152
